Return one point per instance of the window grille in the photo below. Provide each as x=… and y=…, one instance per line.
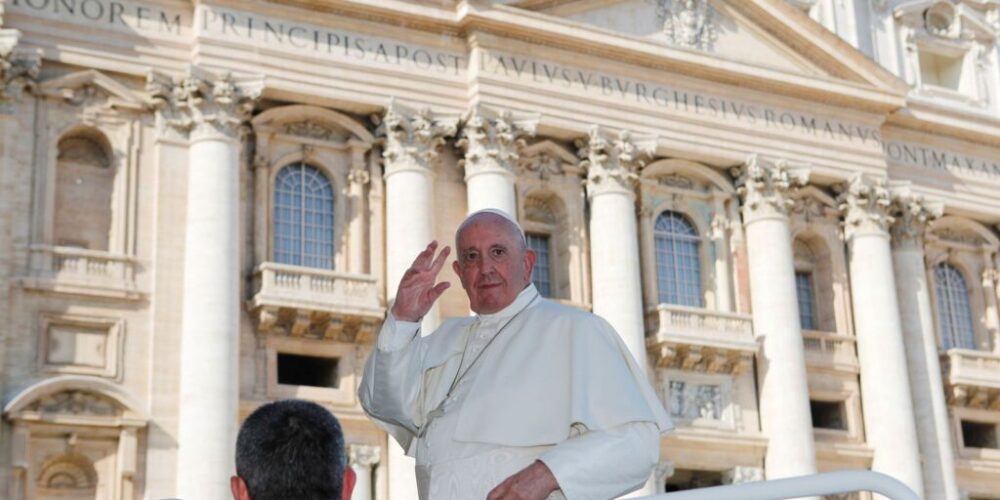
x=542, y=274
x=303, y=217
x=678, y=262
x=804, y=289
x=954, y=312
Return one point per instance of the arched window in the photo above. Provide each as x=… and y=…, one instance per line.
x=678, y=265
x=954, y=312
x=84, y=191
x=303, y=217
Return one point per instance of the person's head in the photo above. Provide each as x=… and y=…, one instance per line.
x=291, y=449
x=493, y=261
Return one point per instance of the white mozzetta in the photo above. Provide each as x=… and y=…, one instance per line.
x=888, y=415
x=208, y=109
x=784, y=393
x=492, y=143
x=612, y=164
x=929, y=405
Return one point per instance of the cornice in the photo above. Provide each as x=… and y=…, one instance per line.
x=508, y=22
x=975, y=126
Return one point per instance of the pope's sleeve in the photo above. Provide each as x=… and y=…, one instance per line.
x=605, y=464
x=390, y=387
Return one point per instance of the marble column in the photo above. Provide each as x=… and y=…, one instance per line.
x=612, y=163
x=885, y=383
x=912, y=216
x=363, y=458
x=492, y=142
x=765, y=187
x=412, y=139
x=208, y=110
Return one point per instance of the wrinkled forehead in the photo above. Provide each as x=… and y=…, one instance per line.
x=495, y=222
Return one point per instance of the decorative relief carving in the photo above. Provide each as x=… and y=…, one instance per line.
x=19, y=69
x=739, y=475
x=71, y=471
x=80, y=403
x=866, y=203
x=543, y=164
x=539, y=209
x=677, y=181
x=696, y=401
x=689, y=23
x=493, y=141
x=359, y=176
x=912, y=215
x=203, y=103
x=312, y=130
x=613, y=163
x=957, y=235
x=363, y=455
x=766, y=186
x=412, y=139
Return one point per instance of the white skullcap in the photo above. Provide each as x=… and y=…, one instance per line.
x=495, y=211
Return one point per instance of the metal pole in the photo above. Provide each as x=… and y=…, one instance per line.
x=827, y=483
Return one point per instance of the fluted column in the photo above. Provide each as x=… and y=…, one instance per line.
x=885, y=388
x=612, y=164
x=208, y=110
x=912, y=215
x=492, y=143
x=765, y=187
x=362, y=458
x=411, y=143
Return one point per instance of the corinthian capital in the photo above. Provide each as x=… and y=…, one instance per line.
x=492, y=141
x=613, y=162
x=202, y=103
x=866, y=204
x=766, y=186
x=363, y=455
x=19, y=69
x=412, y=139
x=912, y=214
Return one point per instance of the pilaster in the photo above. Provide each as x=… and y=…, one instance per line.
x=363, y=458
x=412, y=139
x=19, y=69
x=613, y=162
x=766, y=185
x=201, y=104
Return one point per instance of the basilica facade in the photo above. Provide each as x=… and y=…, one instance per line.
x=788, y=209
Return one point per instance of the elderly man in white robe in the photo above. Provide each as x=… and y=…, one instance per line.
x=528, y=399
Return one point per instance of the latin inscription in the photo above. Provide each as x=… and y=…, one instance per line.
x=337, y=44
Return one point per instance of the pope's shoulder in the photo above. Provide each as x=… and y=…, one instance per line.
x=580, y=320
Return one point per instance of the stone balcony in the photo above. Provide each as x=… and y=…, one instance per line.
x=80, y=271
x=830, y=350
x=693, y=339
x=315, y=303
x=972, y=378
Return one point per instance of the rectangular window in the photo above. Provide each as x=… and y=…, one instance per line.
x=311, y=371
x=689, y=479
x=542, y=275
x=940, y=70
x=828, y=415
x=804, y=289
x=979, y=434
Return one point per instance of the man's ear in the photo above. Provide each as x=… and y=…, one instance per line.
x=529, y=261
x=350, y=479
x=455, y=267
x=239, y=488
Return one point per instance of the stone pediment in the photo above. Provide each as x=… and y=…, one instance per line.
x=93, y=88
x=759, y=33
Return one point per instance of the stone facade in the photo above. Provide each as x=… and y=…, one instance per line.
x=790, y=211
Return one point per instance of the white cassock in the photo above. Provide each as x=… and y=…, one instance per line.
x=555, y=384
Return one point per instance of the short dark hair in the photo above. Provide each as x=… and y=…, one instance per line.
x=291, y=449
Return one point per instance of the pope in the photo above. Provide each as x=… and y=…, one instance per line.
x=528, y=399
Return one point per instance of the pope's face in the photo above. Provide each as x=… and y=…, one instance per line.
x=492, y=264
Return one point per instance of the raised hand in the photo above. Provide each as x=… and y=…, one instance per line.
x=417, y=290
